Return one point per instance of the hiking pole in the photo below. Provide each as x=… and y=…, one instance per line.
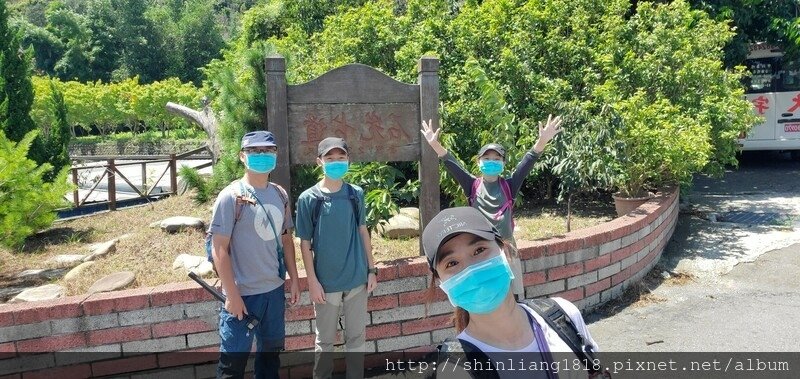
x=252, y=322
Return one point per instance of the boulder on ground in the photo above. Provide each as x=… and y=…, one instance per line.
x=66, y=260
x=77, y=271
x=45, y=292
x=400, y=226
x=113, y=282
x=178, y=223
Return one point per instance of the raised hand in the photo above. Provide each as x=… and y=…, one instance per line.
x=549, y=130
x=433, y=137
x=428, y=133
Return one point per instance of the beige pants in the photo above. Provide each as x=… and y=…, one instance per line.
x=354, y=305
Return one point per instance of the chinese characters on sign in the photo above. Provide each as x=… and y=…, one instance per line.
x=315, y=130
x=760, y=103
x=373, y=132
x=796, y=105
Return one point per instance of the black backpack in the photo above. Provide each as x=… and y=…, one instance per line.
x=554, y=316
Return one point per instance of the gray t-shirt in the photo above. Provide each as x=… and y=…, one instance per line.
x=253, y=246
x=490, y=197
x=339, y=260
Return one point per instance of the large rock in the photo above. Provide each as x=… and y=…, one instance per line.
x=400, y=226
x=45, y=292
x=188, y=261
x=410, y=212
x=40, y=275
x=66, y=260
x=77, y=271
x=178, y=223
x=101, y=250
x=9, y=292
x=193, y=263
x=204, y=269
x=113, y=282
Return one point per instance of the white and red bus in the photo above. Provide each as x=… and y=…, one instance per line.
x=774, y=91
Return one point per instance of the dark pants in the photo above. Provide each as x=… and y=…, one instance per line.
x=237, y=340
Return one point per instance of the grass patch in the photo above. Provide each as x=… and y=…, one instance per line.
x=549, y=220
x=149, y=252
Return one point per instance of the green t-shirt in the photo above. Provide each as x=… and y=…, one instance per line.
x=339, y=260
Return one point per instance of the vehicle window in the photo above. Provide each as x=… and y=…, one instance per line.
x=762, y=74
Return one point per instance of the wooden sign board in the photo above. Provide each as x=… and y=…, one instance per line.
x=373, y=132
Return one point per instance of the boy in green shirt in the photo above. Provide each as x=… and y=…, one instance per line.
x=337, y=253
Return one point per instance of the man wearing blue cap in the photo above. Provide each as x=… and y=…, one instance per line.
x=252, y=249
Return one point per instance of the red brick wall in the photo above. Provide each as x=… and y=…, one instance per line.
x=588, y=267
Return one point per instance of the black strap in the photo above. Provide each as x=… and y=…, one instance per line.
x=471, y=352
x=351, y=193
x=559, y=321
x=321, y=197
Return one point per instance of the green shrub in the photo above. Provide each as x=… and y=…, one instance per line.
x=27, y=202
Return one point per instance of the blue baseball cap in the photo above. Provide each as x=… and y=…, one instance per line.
x=259, y=138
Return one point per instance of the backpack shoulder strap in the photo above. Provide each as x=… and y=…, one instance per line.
x=238, y=203
x=281, y=193
x=452, y=349
x=473, y=195
x=284, y=198
x=351, y=193
x=559, y=321
x=508, y=205
x=319, y=198
x=506, y=188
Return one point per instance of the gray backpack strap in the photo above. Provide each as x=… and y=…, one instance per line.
x=284, y=198
x=281, y=193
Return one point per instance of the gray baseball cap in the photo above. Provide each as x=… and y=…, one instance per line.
x=450, y=223
x=259, y=138
x=329, y=144
x=492, y=146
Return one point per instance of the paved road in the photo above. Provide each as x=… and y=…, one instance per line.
x=745, y=294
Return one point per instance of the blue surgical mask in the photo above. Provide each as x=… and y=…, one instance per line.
x=336, y=170
x=481, y=287
x=490, y=167
x=261, y=163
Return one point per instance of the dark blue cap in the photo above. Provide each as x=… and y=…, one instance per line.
x=259, y=138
